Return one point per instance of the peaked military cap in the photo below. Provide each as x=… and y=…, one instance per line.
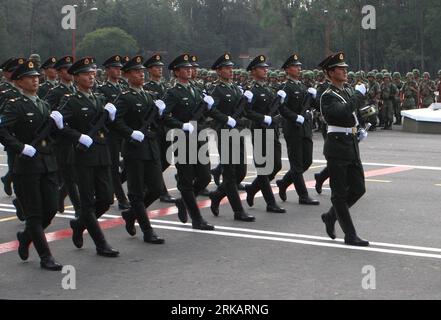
x=292, y=61
x=223, y=61
x=2, y=66
x=134, y=64
x=258, y=62
x=13, y=64
x=194, y=61
x=183, y=61
x=114, y=61
x=28, y=68
x=333, y=61
x=65, y=62
x=49, y=63
x=83, y=65
x=154, y=61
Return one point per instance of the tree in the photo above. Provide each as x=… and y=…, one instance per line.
x=105, y=42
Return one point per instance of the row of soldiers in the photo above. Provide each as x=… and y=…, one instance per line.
x=66, y=137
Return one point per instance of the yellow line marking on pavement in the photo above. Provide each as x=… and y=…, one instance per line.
x=438, y=185
x=8, y=219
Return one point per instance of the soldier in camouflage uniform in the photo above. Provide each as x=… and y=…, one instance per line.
x=410, y=92
x=397, y=104
x=427, y=91
x=373, y=96
x=388, y=94
x=438, y=87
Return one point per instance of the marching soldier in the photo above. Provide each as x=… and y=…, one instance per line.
x=83, y=112
x=140, y=149
x=183, y=102
x=35, y=165
x=388, y=94
x=63, y=144
x=157, y=88
x=50, y=74
x=228, y=98
x=339, y=107
x=260, y=99
x=111, y=89
x=297, y=128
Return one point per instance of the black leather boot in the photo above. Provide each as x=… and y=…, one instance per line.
x=329, y=219
x=182, y=211
x=102, y=247
x=24, y=242
x=198, y=222
x=77, y=232
x=130, y=220
x=150, y=236
x=19, y=211
x=47, y=261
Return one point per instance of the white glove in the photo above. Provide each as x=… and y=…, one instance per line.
x=58, y=118
x=232, y=123
x=268, y=120
x=282, y=94
x=138, y=136
x=361, y=88
x=29, y=151
x=111, y=109
x=363, y=135
x=249, y=95
x=188, y=127
x=85, y=140
x=312, y=92
x=241, y=90
x=300, y=119
x=209, y=101
x=161, y=106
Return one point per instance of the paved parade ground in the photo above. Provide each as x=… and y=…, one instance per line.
x=284, y=256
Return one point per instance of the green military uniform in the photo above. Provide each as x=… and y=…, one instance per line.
x=388, y=96
x=48, y=84
x=111, y=91
x=397, y=103
x=410, y=93
x=297, y=129
x=35, y=170
x=339, y=107
x=142, y=158
x=63, y=144
x=257, y=111
x=228, y=97
x=182, y=101
x=427, y=91
x=92, y=163
x=373, y=98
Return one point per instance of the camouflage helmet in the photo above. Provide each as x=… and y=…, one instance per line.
x=316, y=72
x=351, y=74
x=308, y=74
x=212, y=73
x=282, y=74
x=384, y=71
x=416, y=72
x=371, y=74
x=387, y=75
x=358, y=74
x=321, y=74
x=244, y=73
x=375, y=71
x=35, y=57
x=379, y=76
x=439, y=72
x=409, y=74
x=397, y=75
x=363, y=74
x=426, y=74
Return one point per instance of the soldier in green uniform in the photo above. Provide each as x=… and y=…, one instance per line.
x=123, y=80
x=182, y=102
x=63, y=144
x=438, y=86
x=91, y=156
x=410, y=92
x=339, y=107
x=297, y=129
x=141, y=151
x=10, y=91
x=50, y=74
x=388, y=95
x=227, y=97
x=397, y=103
x=111, y=89
x=35, y=165
x=260, y=99
x=427, y=91
x=373, y=97
x=158, y=89
x=351, y=78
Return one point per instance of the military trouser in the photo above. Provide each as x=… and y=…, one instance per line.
x=164, y=145
x=388, y=112
x=300, y=159
x=232, y=175
x=397, y=111
x=38, y=194
x=67, y=177
x=115, y=144
x=144, y=182
x=262, y=182
x=347, y=186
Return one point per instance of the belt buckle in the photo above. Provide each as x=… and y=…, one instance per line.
x=354, y=131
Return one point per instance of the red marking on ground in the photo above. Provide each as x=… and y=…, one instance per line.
x=113, y=223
